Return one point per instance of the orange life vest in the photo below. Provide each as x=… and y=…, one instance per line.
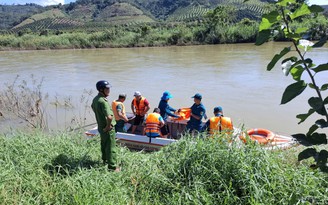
x=153, y=123
x=218, y=124
x=184, y=113
x=114, y=107
x=139, y=107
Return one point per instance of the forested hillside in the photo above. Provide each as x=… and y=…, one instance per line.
x=86, y=13
x=11, y=15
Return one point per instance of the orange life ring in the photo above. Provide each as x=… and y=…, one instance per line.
x=262, y=136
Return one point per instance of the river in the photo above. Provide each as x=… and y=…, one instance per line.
x=232, y=76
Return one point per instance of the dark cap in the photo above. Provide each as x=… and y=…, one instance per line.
x=218, y=109
x=197, y=96
x=122, y=95
x=157, y=110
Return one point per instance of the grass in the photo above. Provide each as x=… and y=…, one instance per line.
x=65, y=168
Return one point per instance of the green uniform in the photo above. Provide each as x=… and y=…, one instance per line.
x=108, y=143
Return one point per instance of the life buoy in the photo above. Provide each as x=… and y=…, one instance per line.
x=262, y=136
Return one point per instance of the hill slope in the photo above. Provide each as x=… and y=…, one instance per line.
x=112, y=12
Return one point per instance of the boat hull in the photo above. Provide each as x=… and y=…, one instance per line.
x=135, y=141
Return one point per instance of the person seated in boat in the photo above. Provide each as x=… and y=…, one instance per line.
x=218, y=123
x=119, y=113
x=153, y=124
x=197, y=113
x=139, y=107
x=165, y=111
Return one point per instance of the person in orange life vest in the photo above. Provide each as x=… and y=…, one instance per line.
x=119, y=113
x=197, y=113
x=139, y=107
x=218, y=123
x=153, y=124
x=165, y=111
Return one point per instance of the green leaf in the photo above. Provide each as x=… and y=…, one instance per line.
x=263, y=37
x=297, y=72
x=312, y=129
x=325, y=101
x=317, y=139
x=303, y=117
x=303, y=10
x=322, y=67
x=324, y=87
x=309, y=62
x=305, y=154
x=320, y=43
x=322, y=160
x=310, y=140
x=321, y=123
x=277, y=57
x=293, y=91
x=268, y=20
x=317, y=104
x=294, y=36
x=311, y=85
x=301, y=138
x=301, y=30
x=316, y=9
x=286, y=2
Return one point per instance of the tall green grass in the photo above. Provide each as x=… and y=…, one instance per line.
x=65, y=168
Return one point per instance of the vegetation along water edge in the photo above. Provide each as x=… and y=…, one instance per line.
x=131, y=23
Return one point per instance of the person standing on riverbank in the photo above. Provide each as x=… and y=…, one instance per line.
x=106, y=122
x=165, y=111
x=139, y=107
x=196, y=115
x=119, y=113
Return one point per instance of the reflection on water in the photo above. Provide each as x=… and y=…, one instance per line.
x=232, y=76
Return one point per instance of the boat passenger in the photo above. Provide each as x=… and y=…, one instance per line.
x=165, y=111
x=106, y=122
x=139, y=107
x=153, y=123
x=218, y=123
x=119, y=113
x=196, y=115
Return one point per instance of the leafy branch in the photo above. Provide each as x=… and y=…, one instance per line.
x=278, y=21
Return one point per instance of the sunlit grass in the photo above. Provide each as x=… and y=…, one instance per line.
x=65, y=168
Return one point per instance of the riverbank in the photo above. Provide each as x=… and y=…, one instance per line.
x=137, y=36
x=148, y=35
x=65, y=168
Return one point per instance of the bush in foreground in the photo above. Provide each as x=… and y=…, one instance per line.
x=65, y=168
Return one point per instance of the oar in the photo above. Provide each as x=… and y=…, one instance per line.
x=84, y=126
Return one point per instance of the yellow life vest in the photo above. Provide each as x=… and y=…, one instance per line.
x=139, y=107
x=218, y=124
x=114, y=107
x=153, y=123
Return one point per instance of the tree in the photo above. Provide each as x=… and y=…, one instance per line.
x=286, y=12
